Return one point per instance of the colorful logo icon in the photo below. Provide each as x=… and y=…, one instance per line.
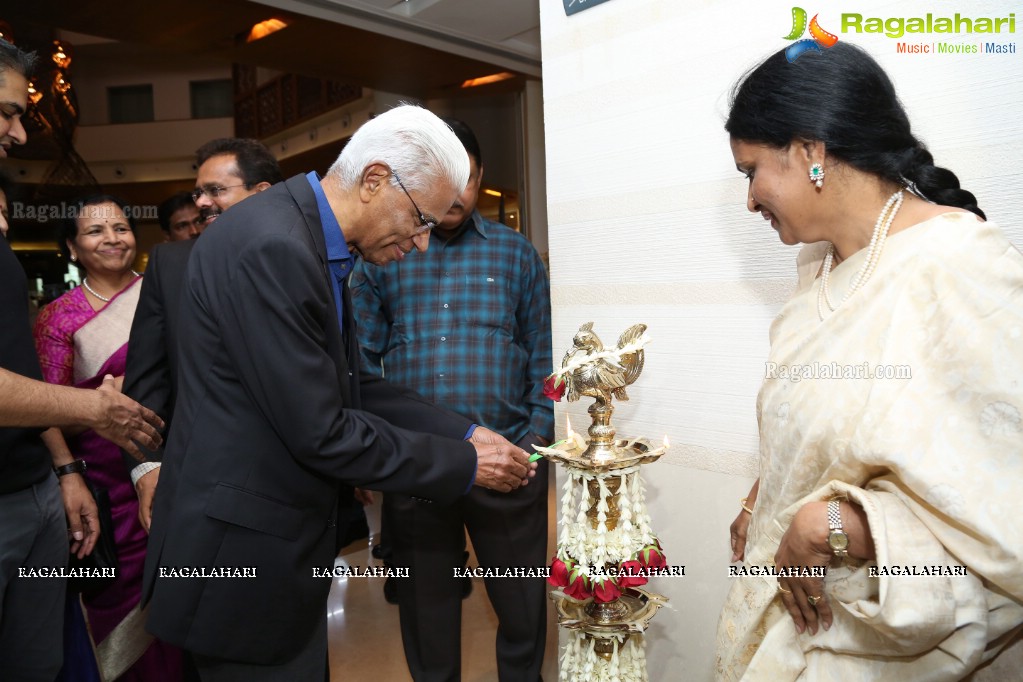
x=818, y=36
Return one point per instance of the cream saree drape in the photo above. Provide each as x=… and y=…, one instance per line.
x=930, y=445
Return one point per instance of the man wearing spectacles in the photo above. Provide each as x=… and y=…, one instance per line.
x=179, y=218
x=425, y=224
x=273, y=416
x=394, y=241
x=230, y=169
x=468, y=325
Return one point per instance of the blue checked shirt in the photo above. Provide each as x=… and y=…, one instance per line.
x=466, y=324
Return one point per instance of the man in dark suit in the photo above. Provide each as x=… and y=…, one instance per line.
x=272, y=416
x=230, y=169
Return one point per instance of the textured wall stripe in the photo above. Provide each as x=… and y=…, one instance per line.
x=746, y=292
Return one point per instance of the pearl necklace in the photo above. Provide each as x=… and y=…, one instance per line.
x=877, y=240
x=105, y=299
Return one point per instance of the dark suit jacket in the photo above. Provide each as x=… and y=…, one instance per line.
x=271, y=415
x=153, y=345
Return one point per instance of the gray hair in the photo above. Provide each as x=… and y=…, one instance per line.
x=415, y=143
x=13, y=59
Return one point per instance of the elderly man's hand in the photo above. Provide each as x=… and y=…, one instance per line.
x=482, y=434
x=502, y=466
x=123, y=421
x=146, y=489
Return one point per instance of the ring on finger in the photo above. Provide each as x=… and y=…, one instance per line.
x=814, y=600
x=781, y=588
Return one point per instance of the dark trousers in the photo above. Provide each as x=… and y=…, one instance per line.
x=507, y=530
x=33, y=534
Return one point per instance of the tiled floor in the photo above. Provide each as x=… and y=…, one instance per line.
x=364, y=638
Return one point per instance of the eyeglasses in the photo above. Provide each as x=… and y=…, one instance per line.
x=424, y=224
x=213, y=191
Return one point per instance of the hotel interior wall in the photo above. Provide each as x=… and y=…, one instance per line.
x=163, y=149
x=647, y=223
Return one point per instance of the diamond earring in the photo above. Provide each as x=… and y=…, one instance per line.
x=817, y=175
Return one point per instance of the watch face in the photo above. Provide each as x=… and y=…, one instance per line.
x=838, y=541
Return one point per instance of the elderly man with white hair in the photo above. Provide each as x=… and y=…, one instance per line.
x=272, y=418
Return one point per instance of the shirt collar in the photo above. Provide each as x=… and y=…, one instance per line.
x=337, y=249
x=477, y=222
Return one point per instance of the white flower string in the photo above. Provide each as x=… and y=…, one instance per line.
x=564, y=538
x=582, y=545
x=602, y=509
x=586, y=546
x=624, y=503
x=581, y=663
x=581, y=534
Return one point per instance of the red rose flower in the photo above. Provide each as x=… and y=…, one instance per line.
x=630, y=574
x=559, y=573
x=554, y=387
x=605, y=590
x=578, y=585
x=652, y=556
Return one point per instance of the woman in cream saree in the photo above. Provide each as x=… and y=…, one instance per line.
x=894, y=387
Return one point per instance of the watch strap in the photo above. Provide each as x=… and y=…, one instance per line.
x=838, y=539
x=834, y=515
x=75, y=467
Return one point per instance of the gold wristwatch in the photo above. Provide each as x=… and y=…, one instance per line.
x=838, y=540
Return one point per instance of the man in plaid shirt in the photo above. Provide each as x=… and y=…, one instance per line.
x=467, y=324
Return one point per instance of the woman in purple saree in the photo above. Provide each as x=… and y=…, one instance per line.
x=82, y=337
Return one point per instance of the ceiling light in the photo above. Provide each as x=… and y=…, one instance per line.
x=492, y=192
x=265, y=28
x=61, y=54
x=33, y=93
x=484, y=80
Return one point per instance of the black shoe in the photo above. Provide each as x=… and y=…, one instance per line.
x=379, y=552
x=391, y=590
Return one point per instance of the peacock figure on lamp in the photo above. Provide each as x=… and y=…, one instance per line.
x=606, y=547
x=588, y=369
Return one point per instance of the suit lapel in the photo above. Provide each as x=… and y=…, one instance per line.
x=346, y=361
x=351, y=343
x=345, y=351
